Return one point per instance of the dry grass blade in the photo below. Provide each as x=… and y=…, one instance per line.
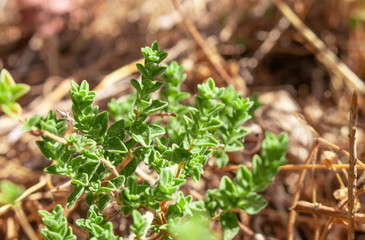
x=312, y=153
x=329, y=58
x=352, y=167
x=320, y=209
x=19, y=213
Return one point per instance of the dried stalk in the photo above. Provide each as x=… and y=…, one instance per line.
x=20, y=215
x=352, y=167
x=290, y=167
x=319, y=209
x=327, y=57
x=314, y=199
x=312, y=153
x=110, y=166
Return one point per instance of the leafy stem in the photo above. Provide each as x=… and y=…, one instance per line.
x=104, y=160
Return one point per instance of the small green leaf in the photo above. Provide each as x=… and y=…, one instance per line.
x=212, y=124
x=81, y=179
x=229, y=225
x=116, y=145
x=244, y=178
x=252, y=203
x=156, y=130
x=154, y=87
x=9, y=192
x=117, y=129
x=154, y=46
x=180, y=155
x=222, y=160
x=7, y=78
x=12, y=110
x=142, y=70
x=103, y=202
x=155, y=106
x=139, y=224
x=141, y=133
x=158, y=72
x=136, y=85
x=206, y=141
x=18, y=90
x=75, y=195
x=118, y=181
x=102, y=120
x=130, y=168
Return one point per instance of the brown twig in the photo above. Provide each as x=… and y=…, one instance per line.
x=352, y=167
x=319, y=209
x=246, y=230
x=163, y=114
x=122, y=165
x=19, y=213
x=327, y=57
x=331, y=220
x=312, y=153
x=111, y=167
x=289, y=167
x=126, y=161
x=314, y=199
x=38, y=132
x=67, y=116
x=332, y=146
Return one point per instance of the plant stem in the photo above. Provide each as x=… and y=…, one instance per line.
x=19, y=213
x=352, y=167
x=110, y=166
x=38, y=132
x=319, y=209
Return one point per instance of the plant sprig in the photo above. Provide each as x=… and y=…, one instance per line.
x=101, y=158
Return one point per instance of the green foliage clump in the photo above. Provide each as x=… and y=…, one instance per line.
x=101, y=158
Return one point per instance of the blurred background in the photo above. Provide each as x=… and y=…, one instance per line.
x=247, y=43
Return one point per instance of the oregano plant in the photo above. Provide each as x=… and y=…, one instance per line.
x=152, y=127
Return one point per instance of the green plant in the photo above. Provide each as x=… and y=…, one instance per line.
x=9, y=192
x=101, y=160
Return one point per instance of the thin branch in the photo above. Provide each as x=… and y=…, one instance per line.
x=122, y=165
x=319, y=209
x=246, y=230
x=19, y=213
x=111, y=167
x=312, y=153
x=352, y=167
x=331, y=220
x=126, y=161
x=67, y=116
x=38, y=132
x=314, y=199
x=289, y=167
x=163, y=114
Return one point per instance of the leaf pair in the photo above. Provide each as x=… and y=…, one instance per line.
x=9, y=93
